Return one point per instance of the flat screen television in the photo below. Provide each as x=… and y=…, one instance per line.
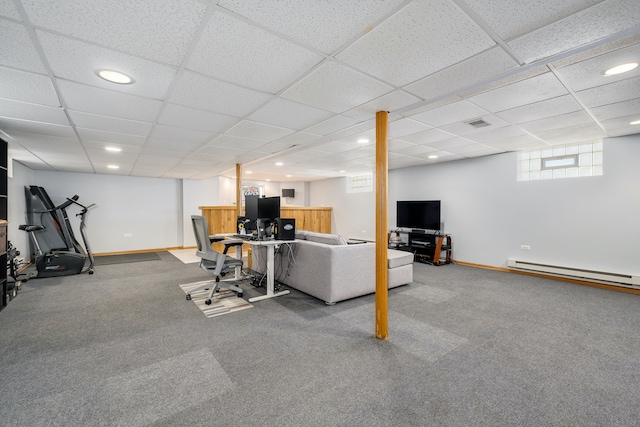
x=269, y=208
x=288, y=192
x=418, y=214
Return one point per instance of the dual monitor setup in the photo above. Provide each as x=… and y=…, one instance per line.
x=262, y=219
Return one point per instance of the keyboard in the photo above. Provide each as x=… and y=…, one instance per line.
x=245, y=236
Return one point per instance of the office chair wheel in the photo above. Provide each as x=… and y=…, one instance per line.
x=208, y=302
x=240, y=295
x=188, y=297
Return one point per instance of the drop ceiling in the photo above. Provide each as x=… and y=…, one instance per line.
x=220, y=83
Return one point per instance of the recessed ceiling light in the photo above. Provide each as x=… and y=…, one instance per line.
x=113, y=167
x=115, y=77
x=433, y=156
x=248, y=172
x=279, y=163
x=114, y=149
x=268, y=179
x=289, y=176
x=635, y=122
x=363, y=141
x=619, y=69
x=342, y=171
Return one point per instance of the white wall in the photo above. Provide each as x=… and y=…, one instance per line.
x=589, y=222
x=353, y=214
x=149, y=209
x=22, y=176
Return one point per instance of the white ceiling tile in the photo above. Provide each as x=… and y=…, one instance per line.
x=196, y=91
x=445, y=144
x=16, y=49
x=161, y=30
x=539, y=110
x=511, y=19
x=427, y=137
x=8, y=9
x=621, y=125
x=108, y=103
x=415, y=149
x=589, y=73
x=309, y=23
x=450, y=113
x=476, y=70
x=254, y=130
x=279, y=61
x=406, y=126
x=332, y=125
x=78, y=61
x=571, y=134
x=110, y=137
x=618, y=109
x=390, y=102
x=180, y=135
x=396, y=51
x=557, y=122
x=623, y=90
x=524, y=92
x=24, y=126
x=298, y=138
x=95, y=122
x=34, y=112
x=336, y=88
x=288, y=114
x=587, y=26
x=179, y=149
x=179, y=116
x=235, y=142
x=27, y=87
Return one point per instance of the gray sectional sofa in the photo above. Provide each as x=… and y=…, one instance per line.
x=326, y=267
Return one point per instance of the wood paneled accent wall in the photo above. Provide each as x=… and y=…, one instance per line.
x=222, y=219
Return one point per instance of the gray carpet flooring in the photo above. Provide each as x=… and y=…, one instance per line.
x=467, y=347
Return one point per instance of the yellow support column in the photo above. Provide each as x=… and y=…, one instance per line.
x=382, y=288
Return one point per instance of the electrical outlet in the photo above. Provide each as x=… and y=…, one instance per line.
x=525, y=247
x=127, y=234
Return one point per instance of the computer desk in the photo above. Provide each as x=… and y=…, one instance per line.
x=270, y=245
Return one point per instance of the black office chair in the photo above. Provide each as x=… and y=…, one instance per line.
x=211, y=261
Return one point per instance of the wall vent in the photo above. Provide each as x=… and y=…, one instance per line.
x=576, y=273
x=478, y=123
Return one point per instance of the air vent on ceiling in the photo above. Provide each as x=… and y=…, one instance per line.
x=478, y=123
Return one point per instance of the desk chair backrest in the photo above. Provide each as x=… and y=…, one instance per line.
x=201, y=233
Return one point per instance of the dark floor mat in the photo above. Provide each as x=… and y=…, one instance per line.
x=126, y=258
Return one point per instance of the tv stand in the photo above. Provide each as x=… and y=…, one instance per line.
x=430, y=248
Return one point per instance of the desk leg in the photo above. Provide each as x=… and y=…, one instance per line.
x=238, y=269
x=270, y=280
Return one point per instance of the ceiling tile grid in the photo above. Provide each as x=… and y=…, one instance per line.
x=302, y=81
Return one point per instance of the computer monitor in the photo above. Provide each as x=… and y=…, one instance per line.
x=269, y=208
x=268, y=211
x=251, y=212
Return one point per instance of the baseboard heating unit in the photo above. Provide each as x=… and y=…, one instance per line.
x=576, y=273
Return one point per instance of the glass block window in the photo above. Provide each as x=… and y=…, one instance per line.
x=360, y=183
x=568, y=161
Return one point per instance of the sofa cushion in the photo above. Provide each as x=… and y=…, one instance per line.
x=301, y=234
x=327, y=239
x=398, y=258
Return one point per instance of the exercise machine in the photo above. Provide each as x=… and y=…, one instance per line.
x=56, y=250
